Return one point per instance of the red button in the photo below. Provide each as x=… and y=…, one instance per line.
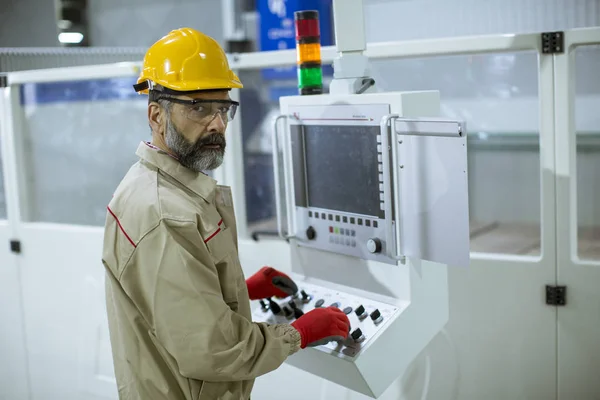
x=331, y=229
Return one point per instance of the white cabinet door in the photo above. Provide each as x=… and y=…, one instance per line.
x=74, y=141
x=13, y=359
x=578, y=213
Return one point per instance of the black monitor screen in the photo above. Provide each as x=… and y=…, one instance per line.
x=342, y=170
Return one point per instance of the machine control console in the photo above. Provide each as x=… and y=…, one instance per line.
x=362, y=329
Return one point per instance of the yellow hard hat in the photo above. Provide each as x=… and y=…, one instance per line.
x=186, y=60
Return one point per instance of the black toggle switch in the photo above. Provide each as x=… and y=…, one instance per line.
x=356, y=335
x=319, y=303
x=298, y=313
x=305, y=296
x=274, y=306
x=360, y=312
x=263, y=305
x=287, y=312
x=376, y=316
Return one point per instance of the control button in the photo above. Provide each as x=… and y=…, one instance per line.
x=347, y=310
x=330, y=239
x=347, y=242
x=353, y=243
x=330, y=217
x=311, y=233
x=287, y=312
x=331, y=229
x=310, y=213
x=345, y=219
x=263, y=305
x=336, y=304
x=274, y=306
x=360, y=221
x=323, y=216
x=357, y=335
x=352, y=220
x=374, y=245
x=319, y=303
x=361, y=312
x=374, y=224
x=305, y=296
x=337, y=218
x=376, y=316
x=368, y=222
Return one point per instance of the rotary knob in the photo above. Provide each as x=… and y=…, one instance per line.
x=311, y=234
x=357, y=335
x=374, y=245
x=376, y=317
x=360, y=312
x=287, y=312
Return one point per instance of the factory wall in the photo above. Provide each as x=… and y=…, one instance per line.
x=28, y=23
x=142, y=22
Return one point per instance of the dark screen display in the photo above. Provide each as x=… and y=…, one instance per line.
x=342, y=170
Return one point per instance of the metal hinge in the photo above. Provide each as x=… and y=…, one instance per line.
x=556, y=295
x=3, y=81
x=553, y=42
x=15, y=246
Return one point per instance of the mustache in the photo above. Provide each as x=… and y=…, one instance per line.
x=212, y=139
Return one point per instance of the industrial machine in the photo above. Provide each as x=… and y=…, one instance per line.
x=375, y=209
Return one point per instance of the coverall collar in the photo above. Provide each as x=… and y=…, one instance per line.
x=198, y=182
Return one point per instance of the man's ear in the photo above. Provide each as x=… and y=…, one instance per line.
x=156, y=117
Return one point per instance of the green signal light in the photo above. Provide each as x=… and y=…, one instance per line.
x=310, y=77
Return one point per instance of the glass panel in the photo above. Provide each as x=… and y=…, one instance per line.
x=2, y=192
x=79, y=140
x=587, y=125
x=497, y=95
x=259, y=105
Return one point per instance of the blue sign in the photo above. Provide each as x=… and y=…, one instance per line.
x=277, y=30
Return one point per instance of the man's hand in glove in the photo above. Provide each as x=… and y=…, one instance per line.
x=268, y=282
x=321, y=326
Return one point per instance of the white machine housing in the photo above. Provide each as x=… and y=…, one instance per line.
x=417, y=164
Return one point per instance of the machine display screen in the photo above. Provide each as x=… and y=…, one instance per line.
x=341, y=168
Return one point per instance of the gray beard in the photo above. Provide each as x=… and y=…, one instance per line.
x=193, y=155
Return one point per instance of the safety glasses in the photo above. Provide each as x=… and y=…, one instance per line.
x=204, y=111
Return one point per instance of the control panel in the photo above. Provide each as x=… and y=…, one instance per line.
x=366, y=316
x=351, y=234
x=341, y=180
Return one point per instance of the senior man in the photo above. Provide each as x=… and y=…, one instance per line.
x=177, y=301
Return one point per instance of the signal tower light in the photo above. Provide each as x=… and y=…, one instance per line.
x=308, y=49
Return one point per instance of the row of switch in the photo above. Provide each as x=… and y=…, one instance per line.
x=294, y=312
x=341, y=240
x=337, y=218
x=360, y=311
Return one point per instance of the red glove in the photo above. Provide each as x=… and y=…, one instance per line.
x=321, y=326
x=269, y=282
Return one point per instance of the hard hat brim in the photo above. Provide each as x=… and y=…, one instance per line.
x=198, y=86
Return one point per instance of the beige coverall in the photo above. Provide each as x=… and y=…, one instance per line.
x=177, y=302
